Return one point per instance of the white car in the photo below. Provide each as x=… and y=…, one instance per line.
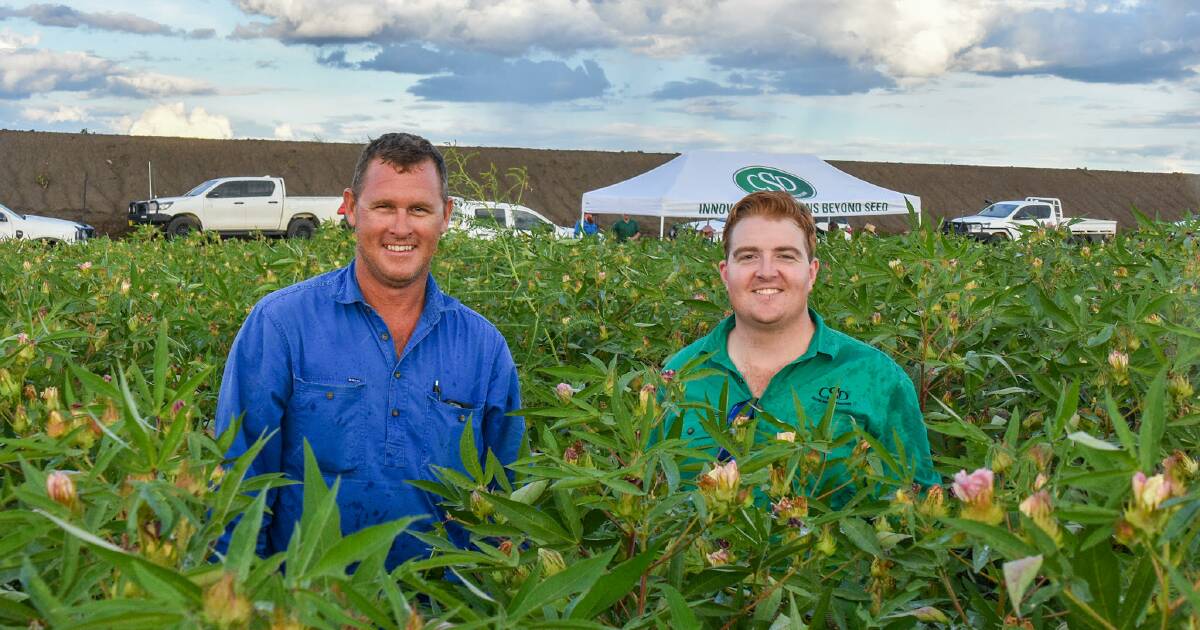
x=34, y=228
x=484, y=219
x=237, y=205
x=1006, y=220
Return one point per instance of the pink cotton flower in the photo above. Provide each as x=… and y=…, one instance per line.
x=975, y=488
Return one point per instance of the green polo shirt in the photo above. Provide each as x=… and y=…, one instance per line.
x=625, y=229
x=872, y=392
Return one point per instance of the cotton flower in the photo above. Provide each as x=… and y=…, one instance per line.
x=1039, y=509
x=976, y=492
x=61, y=489
x=564, y=392
x=786, y=436
x=721, y=488
x=1145, y=511
x=1149, y=493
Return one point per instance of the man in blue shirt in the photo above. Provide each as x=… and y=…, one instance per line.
x=586, y=226
x=371, y=364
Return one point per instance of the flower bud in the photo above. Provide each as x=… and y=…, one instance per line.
x=111, y=414
x=975, y=491
x=480, y=506
x=30, y=393
x=1119, y=362
x=50, y=397
x=876, y=318
x=1040, y=481
x=224, y=607
x=1041, y=454
x=1039, y=509
x=552, y=562
x=20, y=420
x=8, y=385
x=826, y=544
x=1149, y=493
x=564, y=392
x=786, y=436
x=56, y=426
x=1001, y=460
x=720, y=557
x=668, y=375
x=646, y=396
x=1124, y=533
x=1180, y=469
x=791, y=511
x=1180, y=388
x=61, y=489
x=721, y=488
x=934, y=504
x=781, y=481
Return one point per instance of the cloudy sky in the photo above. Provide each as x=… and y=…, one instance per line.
x=1059, y=83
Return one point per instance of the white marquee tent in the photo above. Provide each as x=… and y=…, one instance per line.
x=706, y=184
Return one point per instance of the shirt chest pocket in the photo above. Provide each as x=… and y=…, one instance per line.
x=332, y=418
x=446, y=423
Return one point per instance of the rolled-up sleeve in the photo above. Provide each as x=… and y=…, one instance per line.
x=255, y=388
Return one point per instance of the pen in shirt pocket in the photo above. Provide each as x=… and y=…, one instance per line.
x=437, y=393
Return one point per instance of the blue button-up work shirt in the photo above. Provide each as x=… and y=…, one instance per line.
x=314, y=361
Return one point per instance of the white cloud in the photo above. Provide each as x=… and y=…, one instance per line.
x=904, y=39
x=155, y=84
x=25, y=71
x=12, y=41
x=284, y=132
x=175, y=120
x=62, y=113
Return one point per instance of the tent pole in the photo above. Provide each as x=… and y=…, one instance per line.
x=662, y=221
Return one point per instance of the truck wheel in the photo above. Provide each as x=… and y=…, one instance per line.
x=301, y=228
x=181, y=226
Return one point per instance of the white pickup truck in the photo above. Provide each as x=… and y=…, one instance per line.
x=237, y=205
x=482, y=219
x=29, y=227
x=1004, y=221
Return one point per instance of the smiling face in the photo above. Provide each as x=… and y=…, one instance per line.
x=398, y=219
x=768, y=273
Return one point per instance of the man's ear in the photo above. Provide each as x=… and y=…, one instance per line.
x=448, y=207
x=722, y=269
x=348, y=205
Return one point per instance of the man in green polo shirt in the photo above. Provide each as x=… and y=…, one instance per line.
x=775, y=350
x=625, y=229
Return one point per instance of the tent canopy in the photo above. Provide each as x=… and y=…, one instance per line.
x=706, y=184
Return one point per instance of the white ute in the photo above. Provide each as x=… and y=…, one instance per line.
x=29, y=227
x=1004, y=220
x=237, y=205
x=483, y=219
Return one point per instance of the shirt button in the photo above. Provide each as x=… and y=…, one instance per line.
x=462, y=418
x=691, y=430
x=395, y=412
x=384, y=336
x=329, y=395
x=396, y=374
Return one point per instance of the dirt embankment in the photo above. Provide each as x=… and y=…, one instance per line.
x=92, y=177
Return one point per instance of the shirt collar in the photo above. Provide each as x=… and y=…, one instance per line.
x=347, y=291
x=717, y=341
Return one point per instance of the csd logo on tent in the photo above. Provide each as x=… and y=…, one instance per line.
x=763, y=178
